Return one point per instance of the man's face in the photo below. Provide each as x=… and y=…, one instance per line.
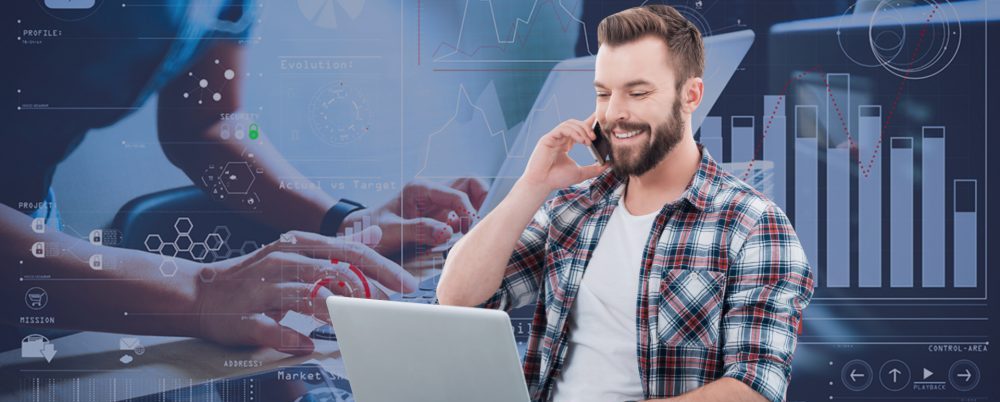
x=638, y=104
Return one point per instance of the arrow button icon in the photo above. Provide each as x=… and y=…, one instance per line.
x=856, y=375
x=894, y=375
x=964, y=375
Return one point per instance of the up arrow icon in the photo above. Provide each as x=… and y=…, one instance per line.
x=895, y=373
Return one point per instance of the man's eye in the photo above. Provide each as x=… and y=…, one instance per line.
x=638, y=94
x=602, y=95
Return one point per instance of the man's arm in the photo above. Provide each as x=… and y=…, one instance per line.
x=144, y=293
x=190, y=135
x=477, y=265
x=84, y=298
x=769, y=285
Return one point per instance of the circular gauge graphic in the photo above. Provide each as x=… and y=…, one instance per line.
x=339, y=114
x=695, y=16
x=904, y=48
x=925, y=49
x=346, y=285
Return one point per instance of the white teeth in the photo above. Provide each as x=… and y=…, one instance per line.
x=627, y=134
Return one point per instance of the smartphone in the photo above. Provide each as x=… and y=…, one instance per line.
x=599, y=148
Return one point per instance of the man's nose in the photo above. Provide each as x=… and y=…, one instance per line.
x=616, y=110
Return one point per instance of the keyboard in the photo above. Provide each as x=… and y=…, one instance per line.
x=425, y=294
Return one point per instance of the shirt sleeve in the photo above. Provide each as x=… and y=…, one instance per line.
x=770, y=283
x=523, y=276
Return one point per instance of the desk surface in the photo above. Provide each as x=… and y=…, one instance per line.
x=86, y=367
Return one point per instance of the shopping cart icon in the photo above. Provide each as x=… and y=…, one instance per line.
x=36, y=298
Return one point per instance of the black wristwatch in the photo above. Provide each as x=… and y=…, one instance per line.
x=336, y=214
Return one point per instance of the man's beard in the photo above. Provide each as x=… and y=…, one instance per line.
x=637, y=160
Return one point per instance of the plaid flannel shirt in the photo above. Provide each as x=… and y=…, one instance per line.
x=721, y=292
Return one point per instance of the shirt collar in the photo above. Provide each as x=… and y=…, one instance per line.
x=608, y=186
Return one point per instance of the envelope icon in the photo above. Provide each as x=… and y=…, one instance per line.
x=128, y=343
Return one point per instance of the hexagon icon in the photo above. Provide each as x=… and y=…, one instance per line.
x=207, y=274
x=183, y=243
x=214, y=241
x=168, y=267
x=168, y=250
x=222, y=231
x=237, y=177
x=223, y=252
x=153, y=243
x=183, y=225
x=248, y=247
x=199, y=251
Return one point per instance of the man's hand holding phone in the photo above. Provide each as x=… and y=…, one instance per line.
x=550, y=166
x=475, y=267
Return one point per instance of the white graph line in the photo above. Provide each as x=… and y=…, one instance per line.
x=513, y=37
x=529, y=123
x=463, y=94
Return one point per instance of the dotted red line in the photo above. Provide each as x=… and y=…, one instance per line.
x=777, y=107
x=899, y=94
x=865, y=168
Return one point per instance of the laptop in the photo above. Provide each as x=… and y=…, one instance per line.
x=396, y=351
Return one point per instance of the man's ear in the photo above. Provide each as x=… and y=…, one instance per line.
x=693, y=92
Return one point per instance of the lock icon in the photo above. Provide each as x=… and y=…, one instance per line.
x=253, y=132
x=97, y=262
x=38, y=225
x=38, y=249
x=96, y=237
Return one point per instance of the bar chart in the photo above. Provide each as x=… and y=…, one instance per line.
x=877, y=208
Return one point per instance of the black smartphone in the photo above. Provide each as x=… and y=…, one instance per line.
x=600, y=148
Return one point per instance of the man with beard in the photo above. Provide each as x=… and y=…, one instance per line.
x=662, y=277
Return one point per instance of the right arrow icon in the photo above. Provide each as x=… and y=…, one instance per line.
x=964, y=375
x=927, y=373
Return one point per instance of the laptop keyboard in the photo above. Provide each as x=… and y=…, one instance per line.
x=425, y=294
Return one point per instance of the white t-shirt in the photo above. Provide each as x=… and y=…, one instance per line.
x=601, y=360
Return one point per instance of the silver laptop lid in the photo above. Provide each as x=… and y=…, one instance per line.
x=395, y=351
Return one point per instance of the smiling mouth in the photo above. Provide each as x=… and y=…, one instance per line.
x=627, y=134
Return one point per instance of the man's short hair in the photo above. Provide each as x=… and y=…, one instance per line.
x=661, y=21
